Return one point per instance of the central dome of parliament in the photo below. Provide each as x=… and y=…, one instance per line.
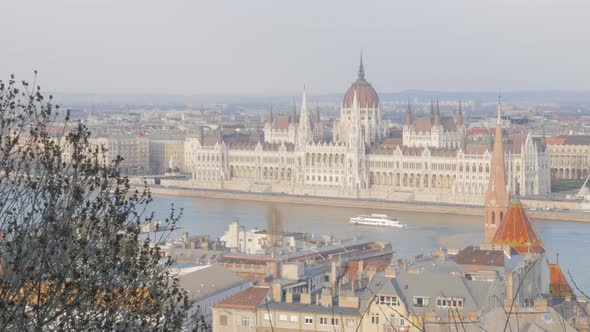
x=365, y=94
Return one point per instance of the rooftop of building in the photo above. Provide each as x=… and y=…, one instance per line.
x=569, y=140
x=431, y=278
x=247, y=299
x=209, y=280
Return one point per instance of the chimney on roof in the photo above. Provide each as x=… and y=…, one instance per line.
x=289, y=297
x=277, y=291
x=390, y=272
x=326, y=299
x=305, y=297
x=348, y=302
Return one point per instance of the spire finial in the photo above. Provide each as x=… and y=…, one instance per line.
x=304, y=99
x=499, y=121
x=361, y=68
x=409, y=114
x=460, y=114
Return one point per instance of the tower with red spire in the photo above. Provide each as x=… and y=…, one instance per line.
x=497, y=197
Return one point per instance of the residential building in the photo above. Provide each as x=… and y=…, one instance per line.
x=134, y=150
x=570, y=157
x=239, y=312
x=207, y=286
x=166, y=153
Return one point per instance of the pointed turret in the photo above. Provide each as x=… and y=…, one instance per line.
x=431, y=111
x=220, y=134
x=304, y=133
x=317, y=114
x=201, y=135
x=496, y=196
x=460, y=115
x=293, y=117
x=409, y=115
x=436, y=121
x=543, y=136
x=269, y=118
x=361, y=73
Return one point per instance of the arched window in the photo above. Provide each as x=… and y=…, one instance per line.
x=493, y=218
x=501, y=216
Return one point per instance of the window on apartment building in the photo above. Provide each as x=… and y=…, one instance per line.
x=294, y=318
x=308, y=320
x=283, y=317
x=323, y=320
x=449, y=302
x=223, y=320
x=388, y=300
x=335, y=321
x=349, y=323
x=402, y=322
x=245, y=321
x=421, y=301
x=267, y=316
x=374, y=318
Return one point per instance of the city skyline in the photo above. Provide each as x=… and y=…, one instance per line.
x=263, y=49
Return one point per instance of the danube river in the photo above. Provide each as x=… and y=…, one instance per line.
x=426, y=231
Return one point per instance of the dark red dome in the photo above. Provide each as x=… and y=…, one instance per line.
x=365, y=94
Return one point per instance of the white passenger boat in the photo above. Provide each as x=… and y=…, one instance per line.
x=376, y=220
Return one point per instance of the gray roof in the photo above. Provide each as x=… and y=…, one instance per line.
x=429, y=278
x=209, y=280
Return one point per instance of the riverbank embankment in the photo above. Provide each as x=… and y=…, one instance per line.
x=360, y=203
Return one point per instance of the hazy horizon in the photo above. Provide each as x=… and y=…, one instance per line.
x=264, y=48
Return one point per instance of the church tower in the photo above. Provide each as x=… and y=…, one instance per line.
x=496, y=197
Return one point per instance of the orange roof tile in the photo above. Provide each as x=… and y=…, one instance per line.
x=555, y=140
x=248, y=299
x=517, y=231
x=558, y=287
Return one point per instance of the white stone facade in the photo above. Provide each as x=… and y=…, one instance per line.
x=356, y=165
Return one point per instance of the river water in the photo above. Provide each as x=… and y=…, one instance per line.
x=425, y=232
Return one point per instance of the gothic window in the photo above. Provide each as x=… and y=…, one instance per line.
x=493, y=218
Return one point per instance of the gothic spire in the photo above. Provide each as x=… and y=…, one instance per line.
x=432, y=108
x=437, y=115
x=269, y=118
x=543, y=136
x=317, y=113
x=304, y=132
x=361, y=69
x=409, y=114
x=496, y=197
x=220, y=134
x=294, y=116
x=460, y=115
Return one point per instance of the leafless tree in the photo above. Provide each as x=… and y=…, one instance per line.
x=72, y=254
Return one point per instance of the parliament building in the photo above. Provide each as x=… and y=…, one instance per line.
x=434, y=162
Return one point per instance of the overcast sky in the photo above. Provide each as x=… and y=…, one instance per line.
x=275, y=47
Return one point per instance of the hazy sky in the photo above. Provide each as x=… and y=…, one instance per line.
x=274, y=47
